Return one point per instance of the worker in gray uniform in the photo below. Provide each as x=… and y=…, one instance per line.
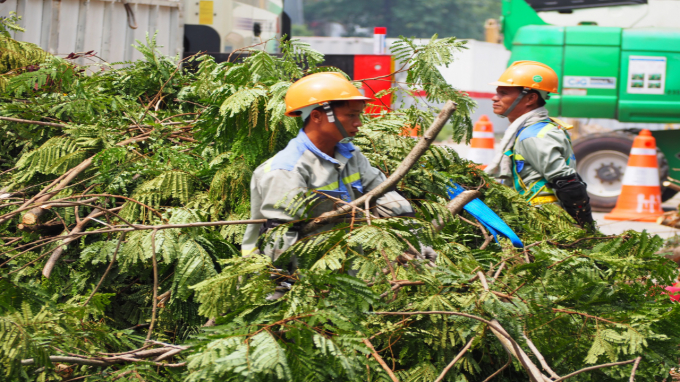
x=537, y=156
x=321, y=158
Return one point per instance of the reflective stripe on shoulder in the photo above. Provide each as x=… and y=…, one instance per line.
x=268, y=165
x=545, y=130
x=534, y=130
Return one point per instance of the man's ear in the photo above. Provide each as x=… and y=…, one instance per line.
x=531, y=99
x=316, y=116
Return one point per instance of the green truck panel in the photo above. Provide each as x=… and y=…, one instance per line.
x=607, y=72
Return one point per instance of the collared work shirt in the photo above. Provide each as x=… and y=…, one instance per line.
x=281, y=183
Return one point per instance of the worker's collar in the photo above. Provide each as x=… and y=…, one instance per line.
x=344, y=149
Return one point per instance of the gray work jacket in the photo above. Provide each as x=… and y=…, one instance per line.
x=280, y=189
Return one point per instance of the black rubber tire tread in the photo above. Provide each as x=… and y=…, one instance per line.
x=621, y=142
x=591, y=143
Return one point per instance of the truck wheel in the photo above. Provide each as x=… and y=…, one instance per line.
x=601, y=160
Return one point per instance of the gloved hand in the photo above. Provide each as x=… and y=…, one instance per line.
x=571, y=191
x=284, y=282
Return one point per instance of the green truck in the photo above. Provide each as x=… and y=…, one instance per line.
x=617, y=60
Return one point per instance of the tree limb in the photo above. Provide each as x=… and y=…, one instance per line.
x=456, y=205
x=154, y=300
x=541, y=360
x=113, y=260
x=499, y=370
x=56, y=255
x=401, y=171
x=380, y=360
x=635, y=366
x=453, y=362
x=597, y=367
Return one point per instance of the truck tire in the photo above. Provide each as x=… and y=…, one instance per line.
x=601, y=160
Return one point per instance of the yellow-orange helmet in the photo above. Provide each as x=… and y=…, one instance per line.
x=529, y=74
x=318, y=88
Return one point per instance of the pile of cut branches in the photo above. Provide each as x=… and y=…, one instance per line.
x=125, y=190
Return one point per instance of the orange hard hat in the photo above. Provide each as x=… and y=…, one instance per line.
x=318, y=88
x=529, y=74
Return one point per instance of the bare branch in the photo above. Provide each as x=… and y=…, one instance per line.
x=453, y=362
x=380, y=360
x=635, y=366
x=154, y=300
x=597, y=367
x=113, y=260
x=541, y=360
x=401, y=171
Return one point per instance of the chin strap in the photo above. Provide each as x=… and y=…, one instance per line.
x=521, y=95
x=331, y=118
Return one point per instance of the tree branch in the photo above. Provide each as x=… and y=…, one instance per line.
x=499, y=370
x=113, y=260
x=597, y=367
x=541, y=360
x=56, y=255
x=456, y=205
x=380, y=360
x=401, y=171
x=154, y=300
x=453, y=362
x=635, y=366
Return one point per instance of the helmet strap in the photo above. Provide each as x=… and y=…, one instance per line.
x=521, y=95
x=333, y=119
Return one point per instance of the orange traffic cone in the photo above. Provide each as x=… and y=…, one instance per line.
x=640, y=197
x=481, y=149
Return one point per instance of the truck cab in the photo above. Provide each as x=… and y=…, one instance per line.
x=617, y=60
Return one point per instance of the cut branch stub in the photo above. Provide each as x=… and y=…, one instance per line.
x=33, y=216
x=456, y=205
x=401, y=171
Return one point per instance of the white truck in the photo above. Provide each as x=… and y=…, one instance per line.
x=110, y=27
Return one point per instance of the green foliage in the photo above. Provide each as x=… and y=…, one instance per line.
x=582, y=301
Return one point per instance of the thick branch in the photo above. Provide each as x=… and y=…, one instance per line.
x=498, y=330
x=401, y=171
x=456, y=205
x=52, y=261
x=510, y=345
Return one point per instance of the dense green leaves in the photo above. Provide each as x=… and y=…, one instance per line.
x=198, y=136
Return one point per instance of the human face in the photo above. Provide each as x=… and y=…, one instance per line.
x=505, y=96
x=349, y=116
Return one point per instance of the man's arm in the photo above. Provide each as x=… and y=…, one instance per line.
x=274, y=196
x=391, y=203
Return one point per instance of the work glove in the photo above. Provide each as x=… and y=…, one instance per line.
x=284, y=282
x=571, y=191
